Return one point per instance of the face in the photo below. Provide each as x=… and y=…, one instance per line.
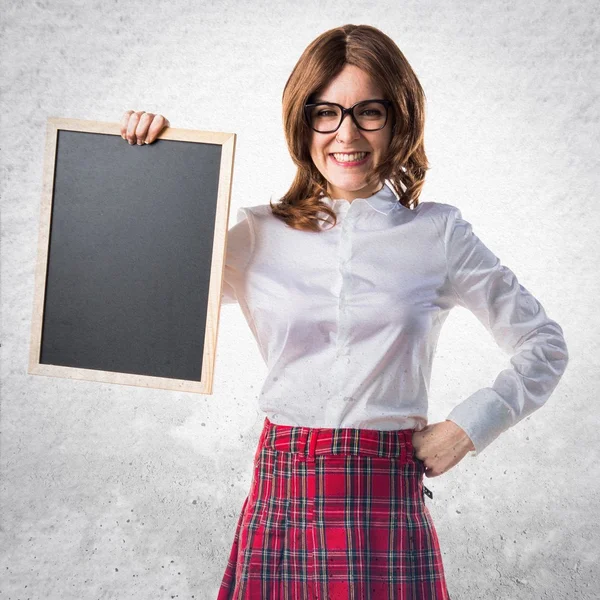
x=348, y=180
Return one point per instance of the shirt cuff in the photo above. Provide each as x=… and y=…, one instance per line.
x=483, y=416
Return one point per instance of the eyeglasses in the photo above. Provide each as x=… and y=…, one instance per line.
x=368, y=115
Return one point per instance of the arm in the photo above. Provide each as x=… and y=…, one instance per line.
x=239, y=249
x=520, y=327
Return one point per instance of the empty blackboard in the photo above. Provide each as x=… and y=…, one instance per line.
x=130, y=255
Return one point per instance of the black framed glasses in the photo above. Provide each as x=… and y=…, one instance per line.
x=368, y=115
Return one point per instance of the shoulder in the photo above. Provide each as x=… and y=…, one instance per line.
x=242, y=234
x=442, y=215
x=439, y=209
x=246, y=216
x=258, y=212
x=249, y=226
x=256, y=209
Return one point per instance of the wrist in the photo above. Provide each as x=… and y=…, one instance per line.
x=465, y=440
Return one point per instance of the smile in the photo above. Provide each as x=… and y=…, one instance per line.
x=350, y=159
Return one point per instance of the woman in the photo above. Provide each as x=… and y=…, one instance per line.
x=346, y=283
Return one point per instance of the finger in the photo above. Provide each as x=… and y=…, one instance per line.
x=132, y=124
x=435, y=471
x=124, y=122
x=431, y=473
x=158, y=124
x=141, y=131
x=416, y=440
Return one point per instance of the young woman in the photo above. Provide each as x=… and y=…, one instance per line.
x=346, y=283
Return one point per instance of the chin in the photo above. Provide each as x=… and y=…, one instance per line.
x=348, y=186
x=348, y=181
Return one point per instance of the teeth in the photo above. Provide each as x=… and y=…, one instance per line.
x=349, y=157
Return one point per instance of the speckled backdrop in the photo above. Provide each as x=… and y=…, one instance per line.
x=121, y=492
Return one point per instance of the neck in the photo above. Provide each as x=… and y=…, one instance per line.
x=349, y=195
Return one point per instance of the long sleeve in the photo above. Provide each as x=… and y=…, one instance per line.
x=520, y=327
x=240, y=242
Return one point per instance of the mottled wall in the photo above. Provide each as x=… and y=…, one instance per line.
x=121, y=492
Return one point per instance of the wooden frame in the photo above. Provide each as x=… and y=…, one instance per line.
x=205, y=379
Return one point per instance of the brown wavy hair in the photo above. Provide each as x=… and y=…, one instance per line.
x=405, y=163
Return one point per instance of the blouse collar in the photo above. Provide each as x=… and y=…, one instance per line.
x=382, y=201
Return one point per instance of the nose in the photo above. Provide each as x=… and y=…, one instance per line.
x=348, y=131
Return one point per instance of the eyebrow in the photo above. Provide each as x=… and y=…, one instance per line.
x=326, y=101
x=319, y=99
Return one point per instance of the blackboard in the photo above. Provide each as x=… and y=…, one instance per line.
x=131, y=254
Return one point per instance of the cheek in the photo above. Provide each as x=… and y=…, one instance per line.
x=319, y=147
x=383, y=143
x=318, y=154
x=313, y=149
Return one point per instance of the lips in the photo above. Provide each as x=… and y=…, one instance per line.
x=358, y=157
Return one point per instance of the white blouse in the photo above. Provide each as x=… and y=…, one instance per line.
x=347, y=319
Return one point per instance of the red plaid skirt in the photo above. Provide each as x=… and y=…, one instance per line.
x=335, y=514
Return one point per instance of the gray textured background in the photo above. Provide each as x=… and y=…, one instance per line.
x=122, y=492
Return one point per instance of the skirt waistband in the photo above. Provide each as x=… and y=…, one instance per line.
x=313, y=441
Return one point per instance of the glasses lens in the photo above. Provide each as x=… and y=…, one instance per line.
x=324, y=117
x=370, y=115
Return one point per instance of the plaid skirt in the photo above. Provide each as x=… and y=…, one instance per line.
x=334, y=514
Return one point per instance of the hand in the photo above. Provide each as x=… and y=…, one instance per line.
x=141, y=127
x=441, y=446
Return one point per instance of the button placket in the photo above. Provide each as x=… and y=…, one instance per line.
x=344, y=266
x=346, y=213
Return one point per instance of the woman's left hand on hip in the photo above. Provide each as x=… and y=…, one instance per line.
x=441, y=446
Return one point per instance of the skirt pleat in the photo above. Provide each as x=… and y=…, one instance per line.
x=334, y=514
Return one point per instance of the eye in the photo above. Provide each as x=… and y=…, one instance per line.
x=325, y=112
x=371, y=112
